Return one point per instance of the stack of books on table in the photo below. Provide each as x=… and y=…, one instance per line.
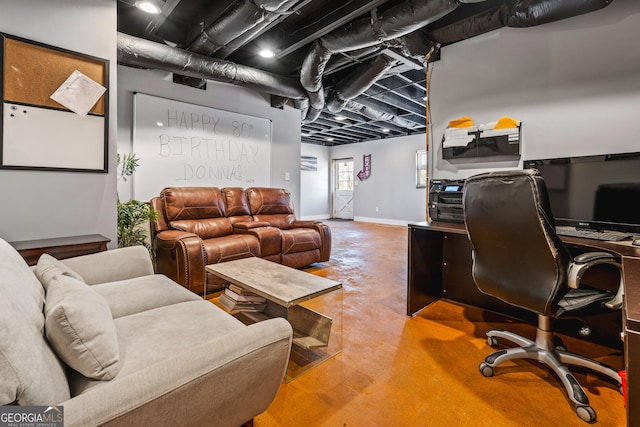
x=236, y=298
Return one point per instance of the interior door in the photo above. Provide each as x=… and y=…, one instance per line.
x=343, y=188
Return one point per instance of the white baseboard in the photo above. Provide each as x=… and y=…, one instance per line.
x=383, y=221
x=315, y=217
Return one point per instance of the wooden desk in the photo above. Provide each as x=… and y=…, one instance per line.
x=440, y=267
x=60, y=247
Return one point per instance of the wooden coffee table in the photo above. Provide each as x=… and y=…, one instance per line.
x=312, y=304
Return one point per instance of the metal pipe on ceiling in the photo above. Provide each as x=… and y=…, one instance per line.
x=144, y=53
x=398, y=21
x=356, y=83
x=245, y=17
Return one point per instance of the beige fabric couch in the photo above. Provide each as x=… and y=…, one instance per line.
x=150, y=351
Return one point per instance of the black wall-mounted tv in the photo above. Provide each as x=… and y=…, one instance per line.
x=595, y=192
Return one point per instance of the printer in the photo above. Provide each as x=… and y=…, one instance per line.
x=445, y=200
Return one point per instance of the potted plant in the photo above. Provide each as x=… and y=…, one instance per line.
x=133, y=215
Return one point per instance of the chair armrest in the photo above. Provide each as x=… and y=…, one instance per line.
x=583, y=262
x=248, y=225
x=229, y=379
x=181, y=257
x=109, y=266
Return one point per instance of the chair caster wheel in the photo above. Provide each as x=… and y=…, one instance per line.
x=558, y=344
x=586, y=413
x=486, y=370
x=492, y=341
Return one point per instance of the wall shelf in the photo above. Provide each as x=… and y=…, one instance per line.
x=503, y=143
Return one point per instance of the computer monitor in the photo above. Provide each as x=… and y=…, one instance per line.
x=594, y=192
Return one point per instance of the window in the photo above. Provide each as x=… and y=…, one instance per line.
x=345, y=175
x=421, y=169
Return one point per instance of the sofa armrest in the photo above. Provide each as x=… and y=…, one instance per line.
x=325, y=236
x=181, y=257
x=248, y=225
x=109, y=266
x=304, y=223
x=229, y=379
x=268, y=236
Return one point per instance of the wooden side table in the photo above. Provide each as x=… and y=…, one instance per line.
x=60, y=247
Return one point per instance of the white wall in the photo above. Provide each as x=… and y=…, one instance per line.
x=43, y=204
x=574, y=85
x=315, y=194
x=285, y=123
x=392, y=185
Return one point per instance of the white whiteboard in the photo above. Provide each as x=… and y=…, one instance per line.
x=184, y=145
x=38, y=137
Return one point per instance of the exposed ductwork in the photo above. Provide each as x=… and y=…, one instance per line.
x=245, y=19
x=375, y=114
x=144, y=53
x=523, y=13
x=404, y=28
x=361, y=79
x=395, y=22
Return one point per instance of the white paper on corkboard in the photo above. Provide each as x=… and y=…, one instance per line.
x=78, y=93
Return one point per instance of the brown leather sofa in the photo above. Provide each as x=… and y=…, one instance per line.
x=198, y=226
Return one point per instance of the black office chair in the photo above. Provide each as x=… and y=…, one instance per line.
x=518, y=258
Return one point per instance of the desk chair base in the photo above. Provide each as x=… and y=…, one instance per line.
x=544, y=350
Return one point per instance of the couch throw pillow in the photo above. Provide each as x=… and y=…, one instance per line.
x=80, y=328
x=49, y=267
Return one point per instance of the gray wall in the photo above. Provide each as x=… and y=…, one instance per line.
x=574, y=85
x=285, y=123
x=53, y=204
x=315, y=200
x=392, y=185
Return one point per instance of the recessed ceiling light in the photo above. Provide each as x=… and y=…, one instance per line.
x=386, y=130
x=330, y=139
x=340, y=117
x=267, y=53
x=148, y=6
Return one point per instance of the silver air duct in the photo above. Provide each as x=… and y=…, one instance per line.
x=395, y=22
x=144, y=53
x=522, y=13
x=361, y=79
x=246, y=16
x=375, y=114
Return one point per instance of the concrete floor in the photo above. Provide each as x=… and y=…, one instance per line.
x=423, y=371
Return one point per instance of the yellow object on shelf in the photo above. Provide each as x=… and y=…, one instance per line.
x=506, y=123
x=462, y=122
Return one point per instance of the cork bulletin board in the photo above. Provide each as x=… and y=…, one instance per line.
x=69, y=133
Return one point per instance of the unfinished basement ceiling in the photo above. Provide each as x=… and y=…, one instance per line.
x=355, y=68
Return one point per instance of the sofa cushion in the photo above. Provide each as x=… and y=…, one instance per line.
x=151, y=336
x=192, y=203
x=48, y=267
x=30, y=372
x=199, y=210
x=206, y=228
x=237, y=204
x=80, y=328
x=231, y=247
x=139, y=294
x=273, y=205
